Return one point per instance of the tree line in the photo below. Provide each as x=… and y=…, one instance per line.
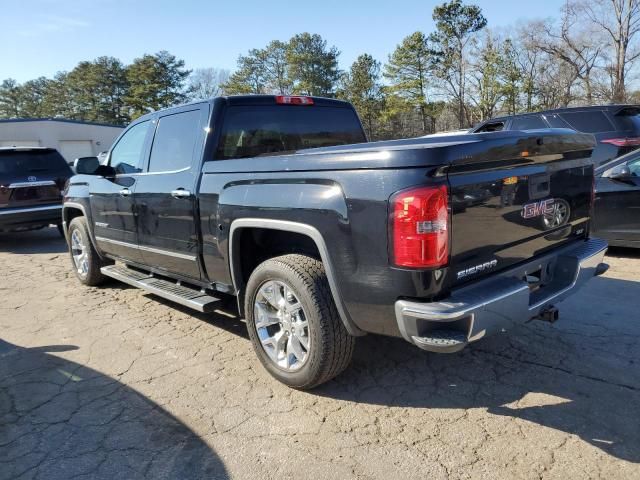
x=458, y=74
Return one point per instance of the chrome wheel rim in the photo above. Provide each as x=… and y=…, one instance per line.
x=79, y=253
x=558, y=217
x=282, y=325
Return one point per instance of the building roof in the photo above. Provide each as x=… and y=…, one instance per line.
x=60, y=120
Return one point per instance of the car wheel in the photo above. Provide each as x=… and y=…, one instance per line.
x=559, y=216
x=85, y=260
x=293, y=323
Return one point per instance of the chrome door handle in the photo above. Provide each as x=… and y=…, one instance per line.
x=125, y=192
x=180, y=193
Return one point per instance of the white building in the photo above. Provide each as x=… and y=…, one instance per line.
x=72, y=138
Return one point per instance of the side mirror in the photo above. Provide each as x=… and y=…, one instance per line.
x=86, y=165
x=621, y=172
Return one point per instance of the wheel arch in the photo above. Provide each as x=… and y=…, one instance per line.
x=305, y=230
x=71, y=210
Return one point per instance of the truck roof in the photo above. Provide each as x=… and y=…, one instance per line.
x=253, y=100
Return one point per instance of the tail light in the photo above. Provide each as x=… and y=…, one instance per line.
x=419, y=227
x=623, y=142
x=293, y=100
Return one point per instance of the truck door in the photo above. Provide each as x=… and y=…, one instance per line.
x=165, y=193
x=112, y=205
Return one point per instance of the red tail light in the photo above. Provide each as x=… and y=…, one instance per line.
x=293, y=100
x=419, y=226
x=623, y=142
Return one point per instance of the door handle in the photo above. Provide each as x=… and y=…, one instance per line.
x=180, y=193
x=125, y=192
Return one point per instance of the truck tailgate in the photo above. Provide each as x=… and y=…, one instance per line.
x=518, y=206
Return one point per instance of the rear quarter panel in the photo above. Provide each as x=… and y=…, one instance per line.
x=348, y=207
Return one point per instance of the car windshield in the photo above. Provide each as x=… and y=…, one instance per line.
x=17, y=162
x=250, y=131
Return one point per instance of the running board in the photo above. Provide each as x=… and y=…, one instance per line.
x=189, y=297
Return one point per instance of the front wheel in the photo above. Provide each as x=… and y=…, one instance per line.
x=293, y=322
x=84, y=258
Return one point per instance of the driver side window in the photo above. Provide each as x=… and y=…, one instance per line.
x=126, y=156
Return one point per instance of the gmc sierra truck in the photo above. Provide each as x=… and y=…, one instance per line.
x=322, y=237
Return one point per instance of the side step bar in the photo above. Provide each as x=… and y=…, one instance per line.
x=189, y=297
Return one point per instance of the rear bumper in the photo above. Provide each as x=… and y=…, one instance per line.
x=494, y=304
x=24, y=218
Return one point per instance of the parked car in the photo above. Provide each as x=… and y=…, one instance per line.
x=616, y=127
x=617, y=205
x=31, y=184
x=320, y=245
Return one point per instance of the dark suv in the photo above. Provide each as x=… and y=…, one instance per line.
x=31, y=182
x=616, y=127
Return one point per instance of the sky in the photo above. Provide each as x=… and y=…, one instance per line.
x=42, y=37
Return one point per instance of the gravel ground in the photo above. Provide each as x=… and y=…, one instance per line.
x=113, y=383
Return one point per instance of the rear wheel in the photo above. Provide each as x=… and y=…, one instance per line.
x=84, y=258
x=293, y=323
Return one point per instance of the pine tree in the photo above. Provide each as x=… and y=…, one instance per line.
x=313, y=67
x=155, y=82
x=362, y=87
x=408, y=72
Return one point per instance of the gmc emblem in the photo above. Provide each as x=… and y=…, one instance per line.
x=536, y=209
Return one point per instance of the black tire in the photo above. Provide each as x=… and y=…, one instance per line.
x=331, y=345
x=92, y=275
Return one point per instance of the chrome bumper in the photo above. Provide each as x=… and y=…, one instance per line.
x=498, y=302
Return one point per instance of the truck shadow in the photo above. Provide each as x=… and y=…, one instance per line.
x=59, y=419
x=580, y=376
x=46, y=240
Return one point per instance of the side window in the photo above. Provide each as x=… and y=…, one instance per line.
x=491, y=127
x=174, y=141
x=588, y=121
x=531, y=122
x=556, y=121
x=126, y=156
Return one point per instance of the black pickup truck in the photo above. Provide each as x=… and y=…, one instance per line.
x=321, y=236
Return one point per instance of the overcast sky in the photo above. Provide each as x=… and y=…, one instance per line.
x=41, y=37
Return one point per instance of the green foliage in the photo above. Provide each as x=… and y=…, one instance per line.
x=303, y=65
x=408, y=72
x=155, y=82
x=313, y=67
x=455, y=24
x=10, y=98
x=97, y=90
x=362, y=87
x=250, y=75
x=488, y=77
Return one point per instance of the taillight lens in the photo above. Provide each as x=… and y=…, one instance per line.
x=293, y=100
x=419, y=224
x=623, y=142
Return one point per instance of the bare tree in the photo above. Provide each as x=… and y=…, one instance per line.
x=620, y=19
x=207, y=82
x=572, y=42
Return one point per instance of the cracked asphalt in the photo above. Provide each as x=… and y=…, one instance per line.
x=112, y=383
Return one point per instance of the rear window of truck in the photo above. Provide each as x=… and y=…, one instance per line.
x=253, y=131
x=25, y=162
